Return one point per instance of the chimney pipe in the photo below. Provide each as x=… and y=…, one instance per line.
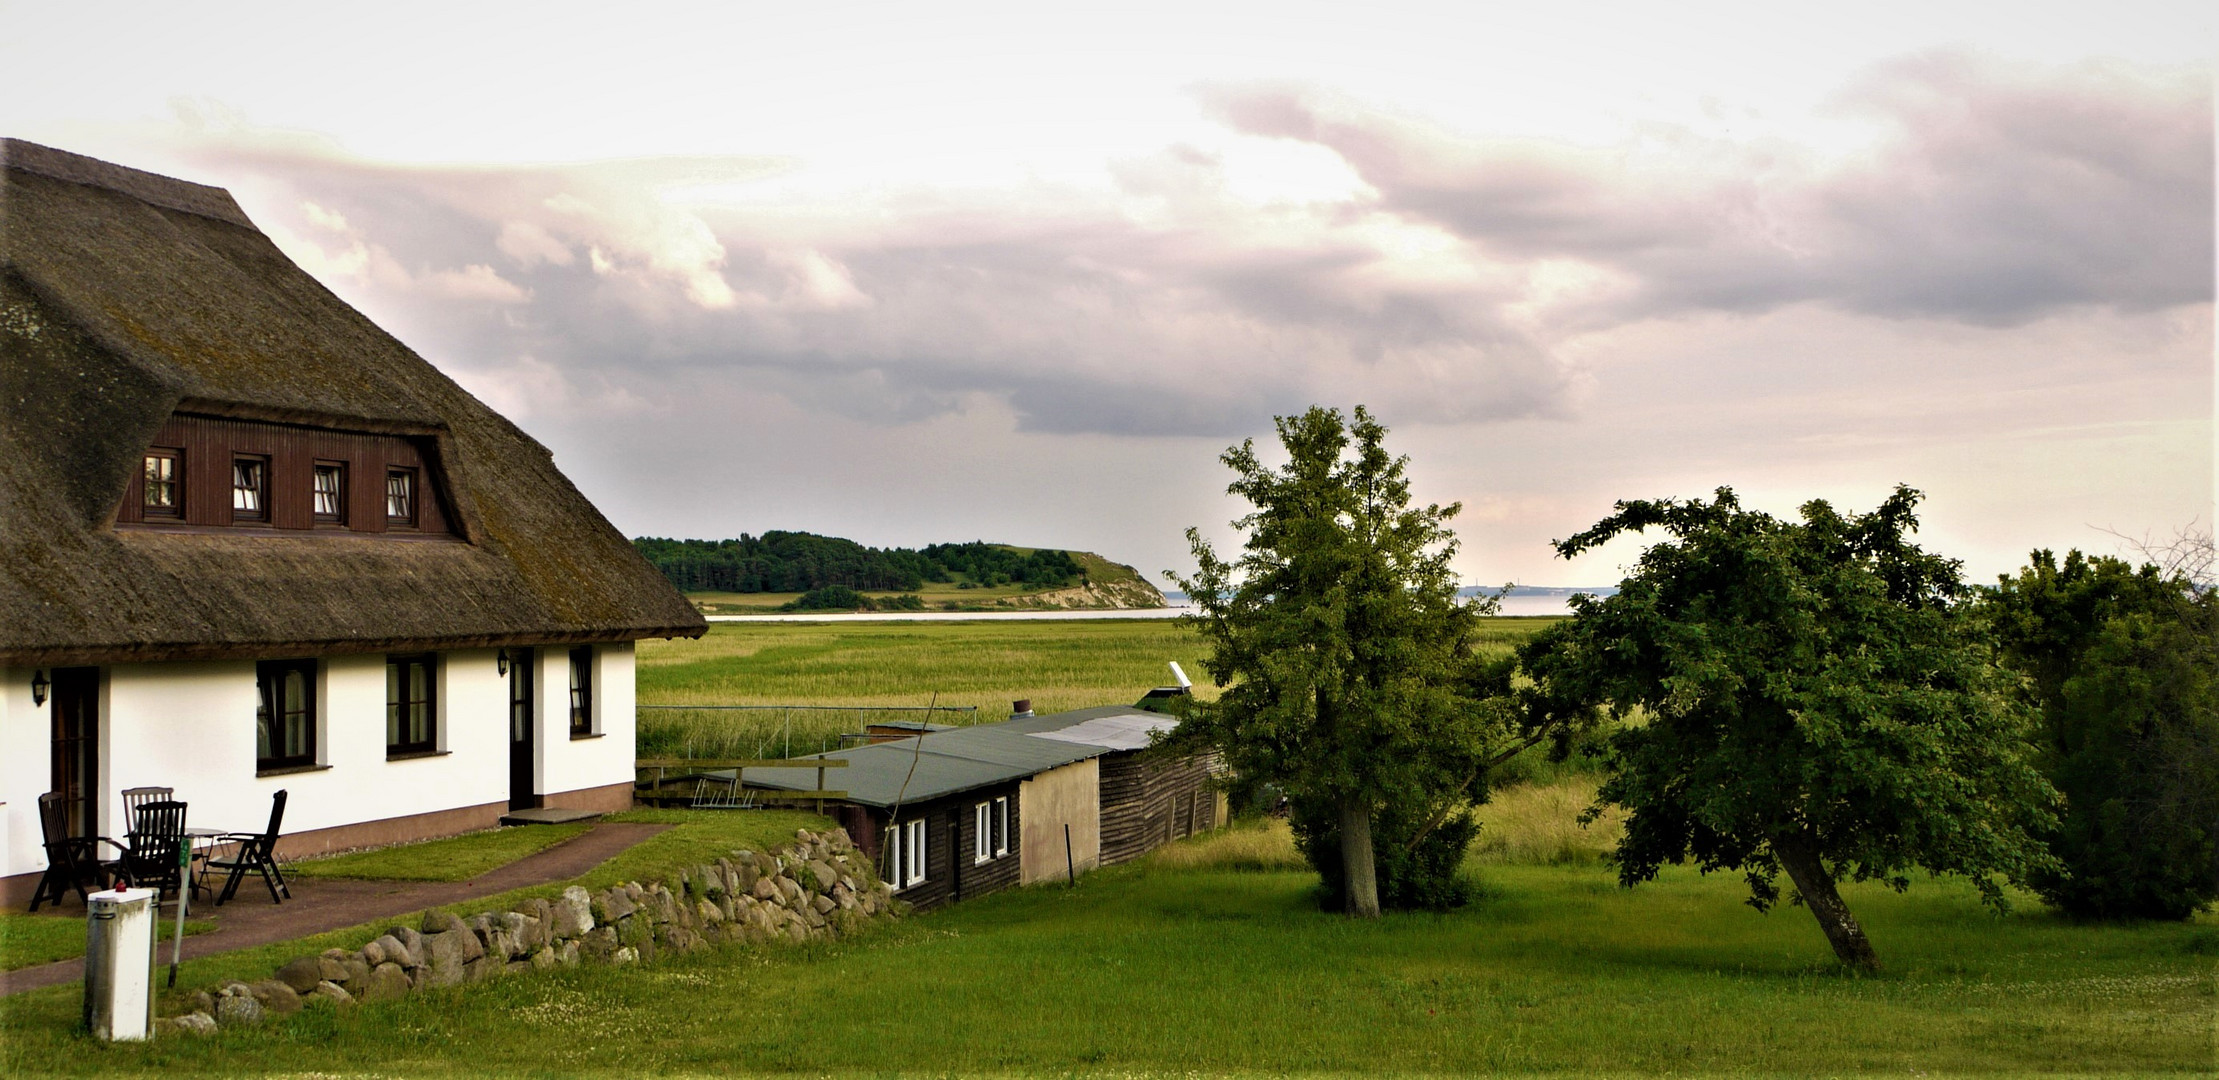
x=1020, y=709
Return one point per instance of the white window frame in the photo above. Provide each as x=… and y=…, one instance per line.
x=982, y=833
x=1001, y=825
x=907, y=864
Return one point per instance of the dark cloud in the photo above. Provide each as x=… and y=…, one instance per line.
x=1079, y=316
x=1165, y=305
x=2000, y=193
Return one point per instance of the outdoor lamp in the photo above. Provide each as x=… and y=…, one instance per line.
x=501, y=662
x=38, y=687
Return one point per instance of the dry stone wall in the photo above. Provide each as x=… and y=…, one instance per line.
x=819, y=886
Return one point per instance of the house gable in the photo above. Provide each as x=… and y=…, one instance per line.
x=137, y=310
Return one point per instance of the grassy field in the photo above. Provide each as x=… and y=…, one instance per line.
x=1056, y=664
x=456, y=858
x=1210, y=957
x=1162, y=969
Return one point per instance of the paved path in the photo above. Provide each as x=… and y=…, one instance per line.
x=321, y=904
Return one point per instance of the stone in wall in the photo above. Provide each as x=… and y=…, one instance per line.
x=819, y=886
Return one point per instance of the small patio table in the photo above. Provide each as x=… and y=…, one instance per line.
x=203, y=840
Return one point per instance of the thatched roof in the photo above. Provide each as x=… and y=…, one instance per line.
x=125, y=297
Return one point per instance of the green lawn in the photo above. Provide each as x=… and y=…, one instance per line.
x=30, y=940
x=1145, y=970
x=695, y=837
x=456, y=858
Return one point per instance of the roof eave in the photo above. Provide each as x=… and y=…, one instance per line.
x=160, y=652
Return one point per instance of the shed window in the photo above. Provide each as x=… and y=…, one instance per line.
x=331, y=492
x=411, y=705
x=400, y=496
x=581, y=690
x=990, y=831
x=285, y=720
x=164, y=492
x=250, y=488
x=905, y=854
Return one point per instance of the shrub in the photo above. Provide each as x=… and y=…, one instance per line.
x=1252, y=845
x=1421, y=876
x=829, y=597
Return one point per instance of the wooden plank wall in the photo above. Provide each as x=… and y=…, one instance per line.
x=950, y=827
x=1147, y=803
x=999, y=872
x=208, y=443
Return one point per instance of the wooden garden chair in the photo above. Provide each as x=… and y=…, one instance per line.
x=71, y=861
x=152, y=850
x=135, y=797
x=257, y=852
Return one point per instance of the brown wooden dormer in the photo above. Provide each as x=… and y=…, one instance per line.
x=213, y=472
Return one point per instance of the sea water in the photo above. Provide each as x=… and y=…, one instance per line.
x=1521, y=601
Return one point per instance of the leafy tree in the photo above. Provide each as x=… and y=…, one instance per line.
x=799, y=561
x=2122, y=665
x=829, y=598
x=1799, y=696
x=1340, y=643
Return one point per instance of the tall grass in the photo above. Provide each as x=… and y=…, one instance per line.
x=1057, y=665
x=1522, y=825
x=1253, y=844
x=1537, y=824
x=767, y=732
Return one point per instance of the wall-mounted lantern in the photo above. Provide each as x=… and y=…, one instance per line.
x=38, y=687
x=501, y=662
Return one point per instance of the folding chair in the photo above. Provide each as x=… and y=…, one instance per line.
x=257, y=852
x=152, y=848
x=135, y=797
x=71, y=861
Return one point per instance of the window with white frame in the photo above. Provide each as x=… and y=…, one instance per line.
x=990, y=830
x=906, y=861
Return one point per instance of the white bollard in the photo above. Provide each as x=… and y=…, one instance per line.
x=119, y=964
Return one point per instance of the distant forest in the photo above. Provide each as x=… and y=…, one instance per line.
x=801, y=562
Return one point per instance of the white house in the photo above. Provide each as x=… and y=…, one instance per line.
x=249, y=541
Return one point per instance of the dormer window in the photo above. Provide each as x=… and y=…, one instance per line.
x=286, y=478
x=400, y=497
x=163, y=492
x=250, y=488
x=330, y=492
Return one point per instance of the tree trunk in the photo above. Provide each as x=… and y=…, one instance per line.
x=1799, y=857
x=1359, y=874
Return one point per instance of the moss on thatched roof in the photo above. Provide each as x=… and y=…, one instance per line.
x=126, y=297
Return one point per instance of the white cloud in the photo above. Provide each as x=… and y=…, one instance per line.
x=1560, y=324
x=527, y=388
x=476, y=282
x=1995, y=193
x=529, y=244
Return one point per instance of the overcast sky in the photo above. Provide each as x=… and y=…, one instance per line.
x=1021, y=272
